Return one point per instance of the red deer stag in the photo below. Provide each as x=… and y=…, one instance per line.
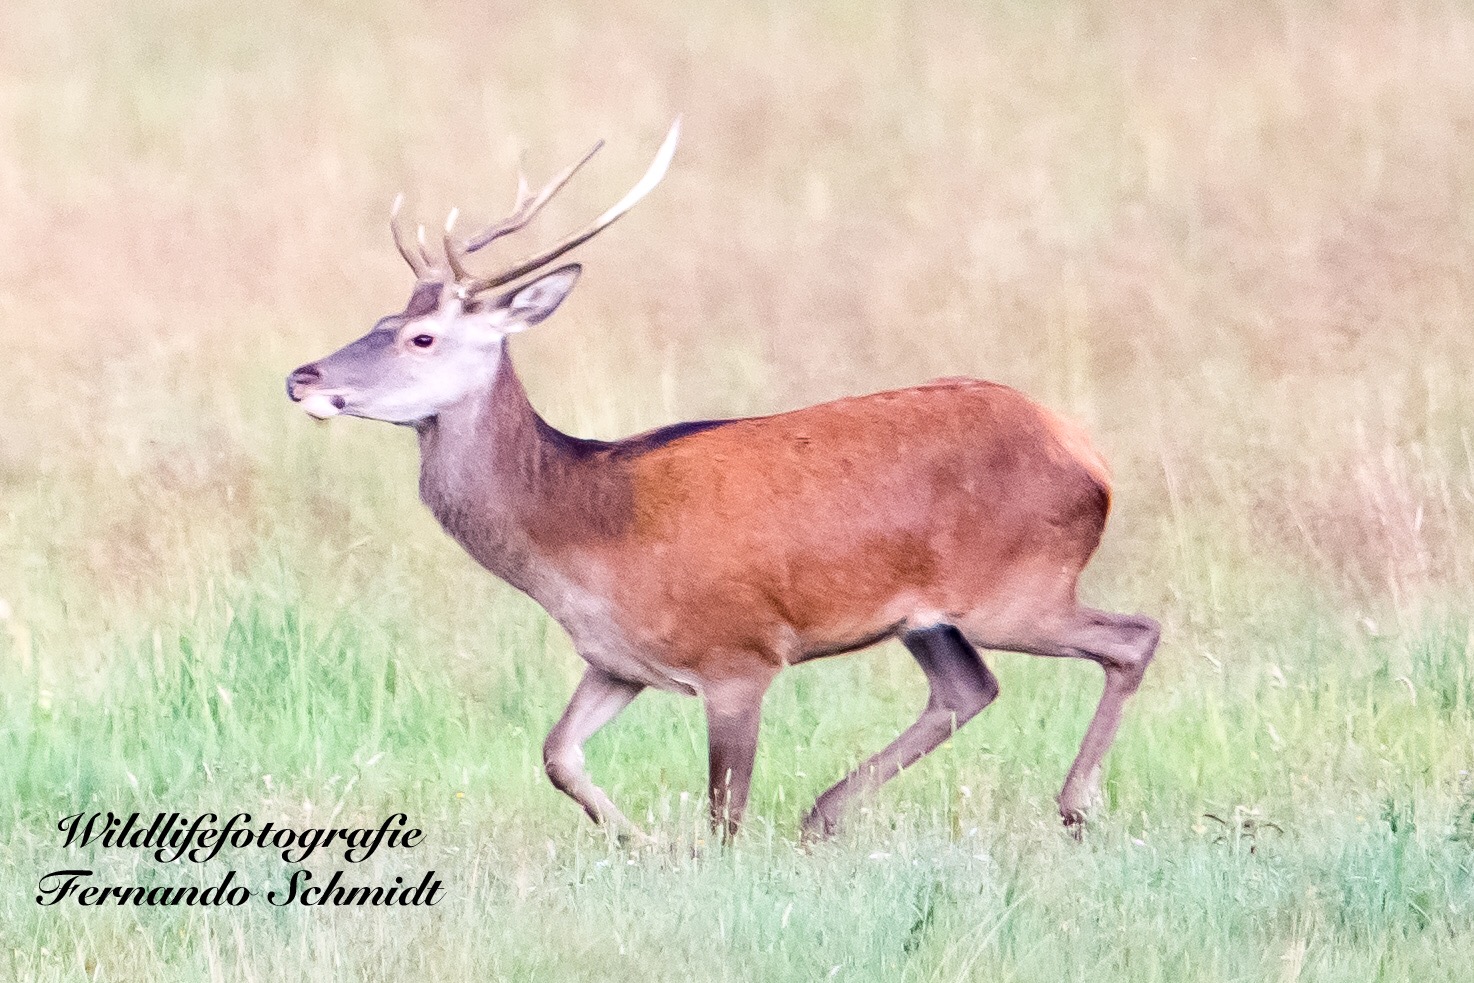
x=704, y=557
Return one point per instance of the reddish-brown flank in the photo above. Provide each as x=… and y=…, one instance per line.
x=813, y=532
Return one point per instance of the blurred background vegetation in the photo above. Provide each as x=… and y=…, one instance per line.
x=1234, y=239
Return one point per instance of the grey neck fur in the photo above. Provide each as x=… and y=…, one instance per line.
x=509, y=487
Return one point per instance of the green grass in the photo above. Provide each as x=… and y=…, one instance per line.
x=1342, y=845
x=1235, y=242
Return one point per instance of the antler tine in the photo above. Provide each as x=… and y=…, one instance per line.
x=424, y=248
x=416, y=264
x=538, y=260
x=452, y=254
x=526, y=209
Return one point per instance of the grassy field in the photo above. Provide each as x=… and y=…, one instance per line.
x=1236, y=240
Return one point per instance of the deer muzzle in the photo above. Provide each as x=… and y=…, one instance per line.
x=302, y=388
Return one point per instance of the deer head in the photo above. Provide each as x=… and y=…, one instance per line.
x=447, y=342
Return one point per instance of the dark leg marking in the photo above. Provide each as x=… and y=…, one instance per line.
x=961, y=687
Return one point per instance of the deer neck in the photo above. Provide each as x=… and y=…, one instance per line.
x=524, y=499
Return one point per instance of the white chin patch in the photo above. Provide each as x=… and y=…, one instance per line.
x=320, y=407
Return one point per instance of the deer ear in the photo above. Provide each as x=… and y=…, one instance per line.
x=534, y=302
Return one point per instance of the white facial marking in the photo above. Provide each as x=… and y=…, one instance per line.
x=319, y=406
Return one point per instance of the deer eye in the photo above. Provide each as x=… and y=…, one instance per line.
x=422, y=340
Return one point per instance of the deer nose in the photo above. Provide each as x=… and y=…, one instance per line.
x=300, y=379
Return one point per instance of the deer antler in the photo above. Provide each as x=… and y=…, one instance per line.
x=420, y=264
x=524, y=211
x=527, y=208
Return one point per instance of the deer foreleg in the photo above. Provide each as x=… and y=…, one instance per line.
x=597, y=700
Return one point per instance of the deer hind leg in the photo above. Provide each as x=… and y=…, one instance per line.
x=597, y=700
x=1123, y=645
x=962, y=686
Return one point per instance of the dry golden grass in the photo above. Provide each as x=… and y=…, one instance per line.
x=1235, y=240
